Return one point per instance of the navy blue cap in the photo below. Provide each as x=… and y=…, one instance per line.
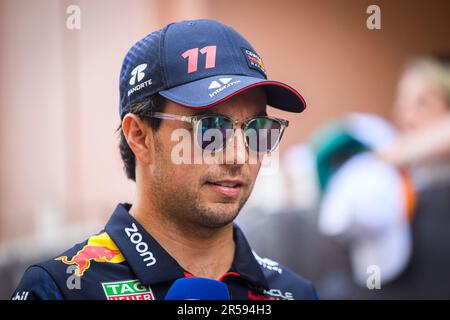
x=198, y=64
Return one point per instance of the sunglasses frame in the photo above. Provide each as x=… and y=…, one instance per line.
x=195, y=121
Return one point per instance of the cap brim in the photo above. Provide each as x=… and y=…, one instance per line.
x=208, y=92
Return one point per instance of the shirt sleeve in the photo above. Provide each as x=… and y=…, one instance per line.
x=37, y=284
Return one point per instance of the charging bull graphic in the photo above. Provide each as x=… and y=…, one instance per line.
x=100, y=248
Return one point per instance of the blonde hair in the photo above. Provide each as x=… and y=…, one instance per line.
x=434, y=69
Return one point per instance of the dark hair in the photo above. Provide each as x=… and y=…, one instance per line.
x=143, y=110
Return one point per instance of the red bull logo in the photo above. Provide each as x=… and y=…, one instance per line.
x=254, y=61
x=100, y=248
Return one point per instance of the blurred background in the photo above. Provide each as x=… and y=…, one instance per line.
x=360, y=205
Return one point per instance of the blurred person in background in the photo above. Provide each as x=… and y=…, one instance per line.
x=422, y=112
x=365, y=205
x=385, y=195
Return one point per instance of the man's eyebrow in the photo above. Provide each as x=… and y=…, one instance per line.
x=202, y=112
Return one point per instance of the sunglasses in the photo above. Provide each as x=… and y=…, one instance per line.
x=262, y=133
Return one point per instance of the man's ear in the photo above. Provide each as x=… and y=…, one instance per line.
x=139, y=137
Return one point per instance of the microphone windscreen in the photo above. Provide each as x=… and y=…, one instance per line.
x=198, y=289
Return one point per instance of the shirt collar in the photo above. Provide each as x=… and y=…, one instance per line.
x=245, y=262
x=148, y=260
x=152, y=264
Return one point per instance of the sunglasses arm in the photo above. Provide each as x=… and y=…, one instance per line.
x=169, y=116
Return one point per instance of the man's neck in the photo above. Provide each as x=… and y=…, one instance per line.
x=202, y=252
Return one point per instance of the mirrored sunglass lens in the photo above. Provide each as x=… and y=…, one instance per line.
x=262, y=134
x=213, y=132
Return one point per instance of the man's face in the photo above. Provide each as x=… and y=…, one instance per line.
x=202, y=194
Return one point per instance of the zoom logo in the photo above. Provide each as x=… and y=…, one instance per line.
x=141, y=247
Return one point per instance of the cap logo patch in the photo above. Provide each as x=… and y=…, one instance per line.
x=215, y=84
x=254, y=61
x=221, y=84
x=137, y=74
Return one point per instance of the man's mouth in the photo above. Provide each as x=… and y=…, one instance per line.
x=227, y=187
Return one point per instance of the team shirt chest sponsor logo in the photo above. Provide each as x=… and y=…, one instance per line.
x=127, y=290
x=272, y=294
x=278, y=294
x=99, y=248
x=268, y=264
x=217, y=86
x=141, y=246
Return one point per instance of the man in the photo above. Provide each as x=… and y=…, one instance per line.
x=202, y=78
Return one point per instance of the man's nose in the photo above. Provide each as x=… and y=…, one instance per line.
x=236, y=151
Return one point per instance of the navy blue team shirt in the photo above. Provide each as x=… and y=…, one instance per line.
x=124, y=262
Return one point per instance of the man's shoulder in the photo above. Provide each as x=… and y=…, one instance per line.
x=98, y=247
x=283, y=282
x=86, y=261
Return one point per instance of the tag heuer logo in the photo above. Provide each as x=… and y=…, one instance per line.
x=127, y=290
